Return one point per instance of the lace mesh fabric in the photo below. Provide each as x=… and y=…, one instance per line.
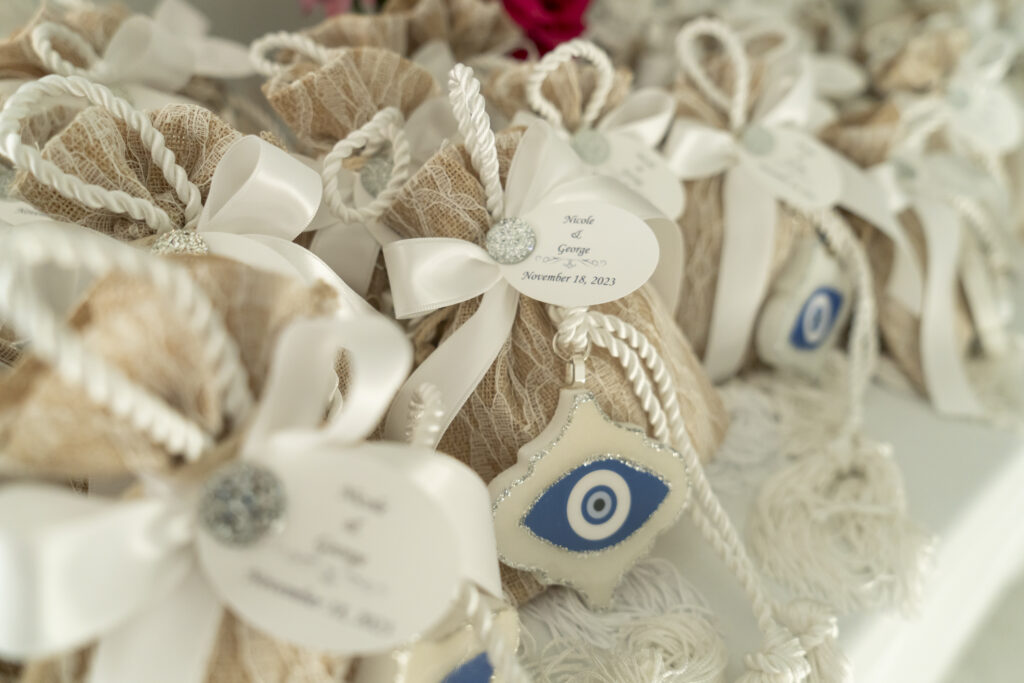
x=702, y=220
x=866, y=137
x=322, y=105
x=52, y=427
x=469, y=27
x=100, y=149
x=569, y=88
x=517, y=396
x=911, y=53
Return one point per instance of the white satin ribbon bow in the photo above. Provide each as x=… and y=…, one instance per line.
x=429, y=273
x=261, y=198
x=978, y=111
x=908, y=185
x=151, y=58
x=750, y=205
x=125, y=573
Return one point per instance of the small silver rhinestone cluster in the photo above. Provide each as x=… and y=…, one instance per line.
x=510, y=241
x=241, y=504
x=180, y=242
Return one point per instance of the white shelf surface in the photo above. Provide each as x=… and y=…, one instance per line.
x=965, y=483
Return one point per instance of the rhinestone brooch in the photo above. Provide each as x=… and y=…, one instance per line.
x=241, y=504
x=510, y=241
x=180, y=242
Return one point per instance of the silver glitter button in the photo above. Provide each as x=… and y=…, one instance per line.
x=758, y=141
x=376, y=173
x=510, y=241
x=180, y=242
x=241, y=503
x=592, y=146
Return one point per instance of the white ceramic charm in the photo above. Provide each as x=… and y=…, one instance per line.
x=805, y=310
x=586, y=499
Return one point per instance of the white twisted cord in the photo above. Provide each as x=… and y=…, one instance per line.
x=659, y=372
x=863, y=342
x=104, y=384
x=305, y=46
x=26, y=101
x=426, y=416
x=687, y=44
x=583, y=49
x=470, y=112
x=42, y=42
x=982, y=225
x=783, y=656
x=500, y=652
x=387, y=125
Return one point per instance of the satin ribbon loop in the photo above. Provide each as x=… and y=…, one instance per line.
x=645, y=114
x=433, y=272
x=260, y=189
x=302, y=377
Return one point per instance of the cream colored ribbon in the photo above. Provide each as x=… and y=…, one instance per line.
x=124, y=573
x=435, y=272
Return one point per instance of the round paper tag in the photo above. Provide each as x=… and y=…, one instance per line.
x=362, y=560
x=793, y=166
x=641, y=170
x=586, y=254
x=987, y=114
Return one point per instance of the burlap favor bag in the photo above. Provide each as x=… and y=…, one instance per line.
x=50, y=426
x=468, y=27
x=321, y=104
x=913, y=51
x=74, y=39
x=516, y=397
x=703, y=222
x=101, y=149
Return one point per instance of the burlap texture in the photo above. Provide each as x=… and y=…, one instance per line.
x=911, y=52
x=469, y=27
x=323, y=104
x=52, y=426
x=517, y=396
x=100, y=149
x=569, y=88
x=867, y=136
x=702, y=220
x=95, y=24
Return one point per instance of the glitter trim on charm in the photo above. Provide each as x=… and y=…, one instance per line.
x=586, y=499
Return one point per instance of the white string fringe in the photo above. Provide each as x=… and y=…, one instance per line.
x=658, y=628
x=562, y=54
x=26, y=101
x=104, y=384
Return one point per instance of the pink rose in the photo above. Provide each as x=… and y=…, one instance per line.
x=548, y=22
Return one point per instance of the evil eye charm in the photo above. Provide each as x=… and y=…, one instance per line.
x=586, y=499
x=805, y=310
x=476, y=670
x=596, y=505
x=817, y=318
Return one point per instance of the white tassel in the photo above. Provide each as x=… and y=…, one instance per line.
x=656, y=629
x=834, y=527
x=818, y=632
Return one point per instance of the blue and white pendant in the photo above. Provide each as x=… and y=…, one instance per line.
x=805, y=311
x=586, y=499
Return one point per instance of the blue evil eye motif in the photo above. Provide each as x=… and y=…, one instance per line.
x=816, y=319
x=596, y=505
x=476, y=670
